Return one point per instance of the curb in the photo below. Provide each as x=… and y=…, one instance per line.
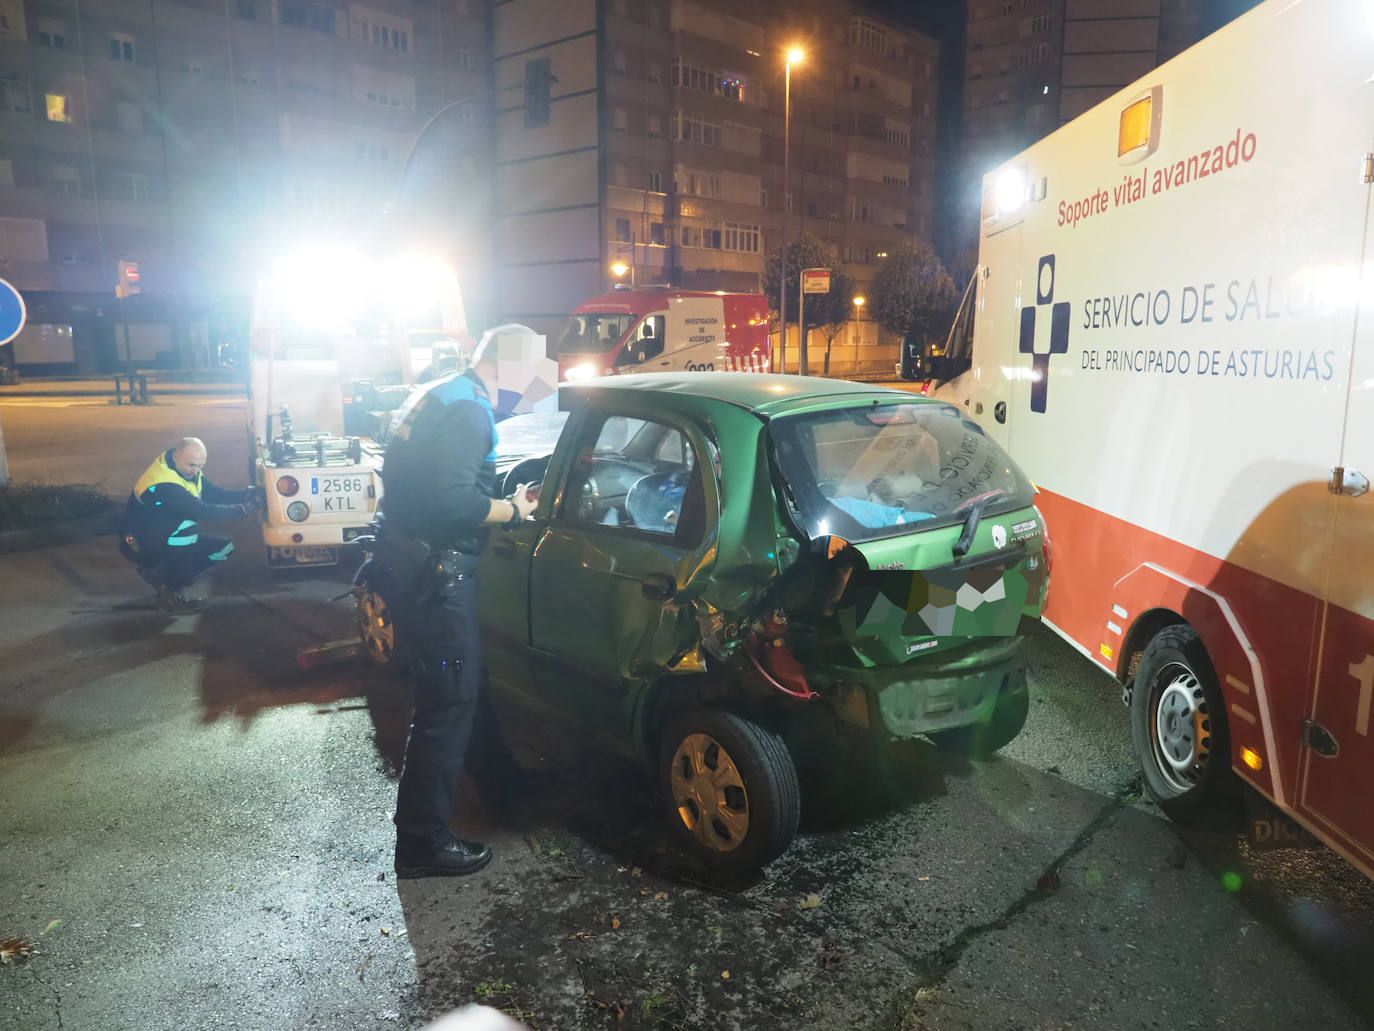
x=106, y=523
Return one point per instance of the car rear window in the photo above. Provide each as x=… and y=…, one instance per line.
x=880, y=470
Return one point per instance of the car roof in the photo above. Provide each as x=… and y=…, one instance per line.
x=768, y=394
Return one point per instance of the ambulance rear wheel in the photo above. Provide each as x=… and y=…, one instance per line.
x=1178, y=727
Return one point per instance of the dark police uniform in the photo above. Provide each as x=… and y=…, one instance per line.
x=440, y=475
x=160, y=531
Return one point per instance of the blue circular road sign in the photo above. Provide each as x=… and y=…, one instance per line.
x=12, y=312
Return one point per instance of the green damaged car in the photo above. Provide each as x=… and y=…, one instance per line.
x=726, y=571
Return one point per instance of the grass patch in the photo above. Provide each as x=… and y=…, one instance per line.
x=30, y=506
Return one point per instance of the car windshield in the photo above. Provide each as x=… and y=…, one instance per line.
x=880, y=470
x=594, y=333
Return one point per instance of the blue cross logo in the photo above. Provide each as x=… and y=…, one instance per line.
x=1059, y=331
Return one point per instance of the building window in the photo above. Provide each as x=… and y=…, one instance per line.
x=620, y=119
x=707, y=80
x=66, y=179
x=622, y=230
x=121, y=47
x=308, y=16
x=461, y=60
x=14, y=94
x=863, y=33
x=618, y=63
x=52, y=33
x=247, y=10
x=58, y=108
x=892, y=180
x=655, y=181
x=694, y=129
x=192, y=66
x=656, y=236
x=655, y=73
x=740, y=237
x=655, y=127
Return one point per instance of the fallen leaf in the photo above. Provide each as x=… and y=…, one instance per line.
x=615, y=923
x=725, y=975
x=645, y=891
x=923, y=878
x=381, y=876
x=581, y=936
x=51, y=925
x=811, y=901
x=660, y=896
x=386, y=932
x=1048, y=882
x=20, y=948
x=636, y=872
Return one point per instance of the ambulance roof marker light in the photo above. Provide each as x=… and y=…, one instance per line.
x=1139, y=125
x=1011, y=191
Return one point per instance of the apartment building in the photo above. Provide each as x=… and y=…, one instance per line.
x=202, y=138
x=1032, y=65
x=662, y=147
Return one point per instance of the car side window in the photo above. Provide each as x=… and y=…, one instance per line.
x=655, y=488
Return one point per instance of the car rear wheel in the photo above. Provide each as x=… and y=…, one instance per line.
x=1178, y=726
x=378, y=632
x=729, y=790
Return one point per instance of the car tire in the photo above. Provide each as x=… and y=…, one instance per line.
x=381, y=637
x=980, y=740
x=1178, y=727
x=755, y=803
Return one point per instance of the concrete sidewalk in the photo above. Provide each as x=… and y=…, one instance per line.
x=105, y=387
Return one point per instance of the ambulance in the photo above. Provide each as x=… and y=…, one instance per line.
x=662, y=329
x=1172, y=332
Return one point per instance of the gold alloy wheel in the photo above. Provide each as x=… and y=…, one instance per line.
x=709, y=793
x=376, y=628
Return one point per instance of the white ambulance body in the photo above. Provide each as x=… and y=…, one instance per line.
x=1173, y=334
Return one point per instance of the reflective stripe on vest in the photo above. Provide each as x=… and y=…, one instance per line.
x=161, y=472
x=183, y=535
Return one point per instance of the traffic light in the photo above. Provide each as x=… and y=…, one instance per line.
x=538, y=79
x=129, y=279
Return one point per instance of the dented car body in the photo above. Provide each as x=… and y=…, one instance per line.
x=722, y=570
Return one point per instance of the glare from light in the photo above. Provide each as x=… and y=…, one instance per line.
x=584, y=371
x=860, y=301
x=320, y=287
x=413, y=285
x=796, y=55
x=823, y=529
x=1010, y=191
x=620, y=268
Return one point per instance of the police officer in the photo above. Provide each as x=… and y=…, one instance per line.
x=160, y=532
x=440, y=477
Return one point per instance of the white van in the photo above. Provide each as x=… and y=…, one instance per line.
x=1173, y=334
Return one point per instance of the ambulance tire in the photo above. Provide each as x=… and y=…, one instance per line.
x=1179, y=729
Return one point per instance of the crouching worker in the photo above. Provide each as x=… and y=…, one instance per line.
x=160, y=532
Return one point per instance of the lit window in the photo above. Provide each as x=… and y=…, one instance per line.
x=58, y=108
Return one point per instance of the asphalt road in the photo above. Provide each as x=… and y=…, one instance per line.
x=210, y=826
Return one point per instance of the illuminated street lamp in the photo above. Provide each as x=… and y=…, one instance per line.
x=794, y=56
x=620, y=268
x=859, y=306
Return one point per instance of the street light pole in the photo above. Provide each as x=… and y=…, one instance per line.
x=792, y=55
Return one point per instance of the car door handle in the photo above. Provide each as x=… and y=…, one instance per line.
x=503, y=547
x=658, y=587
